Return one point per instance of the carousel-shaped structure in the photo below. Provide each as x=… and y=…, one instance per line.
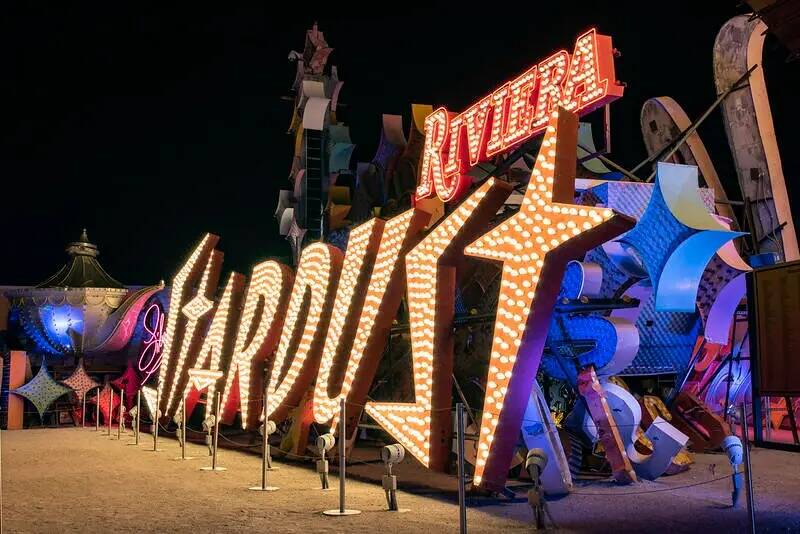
x=80, y=310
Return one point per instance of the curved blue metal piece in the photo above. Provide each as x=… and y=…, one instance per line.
x=680, y=276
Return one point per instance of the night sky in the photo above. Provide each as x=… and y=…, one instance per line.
x=150, y=127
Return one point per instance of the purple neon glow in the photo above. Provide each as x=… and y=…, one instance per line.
x=150, y=358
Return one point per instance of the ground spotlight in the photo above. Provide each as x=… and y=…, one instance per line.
x=391, y=454
x=324, y=443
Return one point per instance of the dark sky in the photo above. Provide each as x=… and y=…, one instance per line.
x=152, y=126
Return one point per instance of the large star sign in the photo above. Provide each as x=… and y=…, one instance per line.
x=534, y=246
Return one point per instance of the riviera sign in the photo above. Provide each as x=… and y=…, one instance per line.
x=514, y=112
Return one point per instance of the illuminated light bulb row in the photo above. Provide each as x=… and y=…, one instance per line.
x=499, y=100
x=211, y=352
x=195, y=311
x=257, y=335
x=383, y=296
x=584, y=74
x=476, y=121
x=317, y=271
x=353, y=281
x=457, y=158
x=522, y=244
x=181, y=285
x=410, y=423
x=520, y=110
x=201, y=379
x=551, y=77
x=435, y=136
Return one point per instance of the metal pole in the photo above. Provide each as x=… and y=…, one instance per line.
x=83, y=413
x=183, y=429
x=138, y=414
x=265, y=448
x=121, y=407
x=216, y=431
x=155, y=421
x=265, y=444
x=342, y=462
x=751, y=505
x=342, y=459
x=462, y=491
x=110, y=410
x=97, y=411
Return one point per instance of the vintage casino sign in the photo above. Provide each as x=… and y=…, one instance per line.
x=513, y=113
x=325, y=325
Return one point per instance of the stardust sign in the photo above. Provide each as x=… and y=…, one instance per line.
x=325, y=325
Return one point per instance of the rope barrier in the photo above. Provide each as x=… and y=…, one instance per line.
x=659, y=490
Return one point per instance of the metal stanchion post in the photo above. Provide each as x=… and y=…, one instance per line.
x=265, y=448
x=748, y=474
x=138, y=415
x=110, y=410
x=120, y=421
x=462, y=493
x=83, y=413
x=97, y=411
x=183, y=429
x=214, y=466
x=183, y=432
x=154, y=427
x=342, y=463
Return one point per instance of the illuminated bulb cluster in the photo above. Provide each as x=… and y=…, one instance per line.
x=498, y=118
x=367, y=342
x=435, y=136
x=319, y=265
x=583, y=86
x=449, y=183
x=476, y=122
x=513, y=113
x=195, y=310
x=201, y=379
x=522, y=243
x=410, y=423
x=520, y=110
x=207, y=370
x=551, y=75
x=353, y=281
x=257, y=335
x=181, y=287
x=150, y=399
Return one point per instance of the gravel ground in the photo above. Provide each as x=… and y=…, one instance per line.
x=75, y=480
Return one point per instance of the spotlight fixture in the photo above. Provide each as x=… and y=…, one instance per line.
x=324, y=443
x=391, y=454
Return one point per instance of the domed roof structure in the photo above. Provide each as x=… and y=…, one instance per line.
x=83, y=269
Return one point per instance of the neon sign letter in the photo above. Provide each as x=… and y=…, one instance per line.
x=150, y=357
x=256, y=337
x=423, y=427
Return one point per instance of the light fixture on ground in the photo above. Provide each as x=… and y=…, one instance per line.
x=391, y=455
x=180, y=420
x=267, y=428
x=324, y=443
x=535, y=464
x=134, y=413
